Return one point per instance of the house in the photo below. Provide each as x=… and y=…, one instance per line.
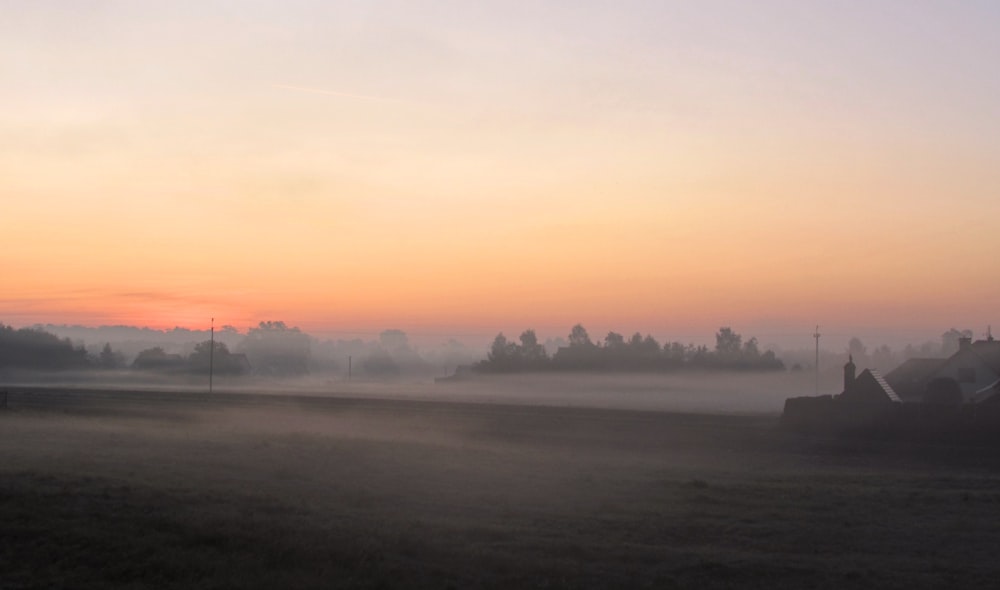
x=866, y=400
x=975, y=368
x=971, y=375
x=867, y=388
x=957, y=398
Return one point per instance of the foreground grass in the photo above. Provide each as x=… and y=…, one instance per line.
x=487, y=499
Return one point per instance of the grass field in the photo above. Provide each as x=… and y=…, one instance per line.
x=146, y=490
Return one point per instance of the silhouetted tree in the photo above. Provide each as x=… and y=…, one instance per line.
x=637, y=353
x=649, y=346
x=751, y=352
x=578, y=337
x=728, y=344
x=698, y=356
x=531, y=352
x=108, y=359
x=29, y=348
x=503, y=355
x=581, y=353
x=614, y=341
x=156, y=359
x=277, y=350
x=499, y=350
x=769, y=362
x=223, y=362
x=675, y=353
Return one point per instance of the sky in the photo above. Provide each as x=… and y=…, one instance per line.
x=457, y=168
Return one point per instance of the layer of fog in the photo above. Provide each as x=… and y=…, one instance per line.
x=692, y=392
x=714, y=393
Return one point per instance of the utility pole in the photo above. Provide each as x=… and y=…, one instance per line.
x=348, y=368
x=816, y=336
x=211, y=357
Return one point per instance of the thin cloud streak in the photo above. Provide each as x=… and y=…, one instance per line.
x=336, y=93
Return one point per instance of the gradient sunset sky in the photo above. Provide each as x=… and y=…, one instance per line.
x=461, y=168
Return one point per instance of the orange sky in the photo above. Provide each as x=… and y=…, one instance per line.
x=442, y=168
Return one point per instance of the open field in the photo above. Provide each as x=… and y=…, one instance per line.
x=155, y=489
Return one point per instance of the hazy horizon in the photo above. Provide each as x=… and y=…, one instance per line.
x=834, y=339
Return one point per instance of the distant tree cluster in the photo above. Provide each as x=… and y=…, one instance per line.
x=270, y=349
x=274, y=349
x=616, y=353
x=222, y=362
x=277, y=350
x=157, y=359
x=507, y=356
x=201, y=361
x=29, y=348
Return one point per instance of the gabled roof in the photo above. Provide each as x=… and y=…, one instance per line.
x=912, y=370
x=909, y=379
x=889, y=391
x=869, y=387
x=989, y=351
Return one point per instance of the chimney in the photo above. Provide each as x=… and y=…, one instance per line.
x=849, y=369
x=964, y=343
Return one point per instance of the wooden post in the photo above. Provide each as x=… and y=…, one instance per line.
x=211, y=357
x=816, y=336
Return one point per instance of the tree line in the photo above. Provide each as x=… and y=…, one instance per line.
x=274, y=349
x=271, y=349
x=279, y=350
x=28, y=348
x=617, y=353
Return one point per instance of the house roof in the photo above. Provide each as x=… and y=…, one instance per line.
x=914, y=369
x=989, y=351
x=910, y=378
x=883, y=385
x=868, y=387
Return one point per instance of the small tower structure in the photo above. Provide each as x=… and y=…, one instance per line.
x=850, y=370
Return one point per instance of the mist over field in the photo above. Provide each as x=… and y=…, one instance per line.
x=617, y=463
x=185, y=490
x=710, y=393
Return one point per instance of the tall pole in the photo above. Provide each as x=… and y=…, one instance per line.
x=211, y=357
x=816, y=336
